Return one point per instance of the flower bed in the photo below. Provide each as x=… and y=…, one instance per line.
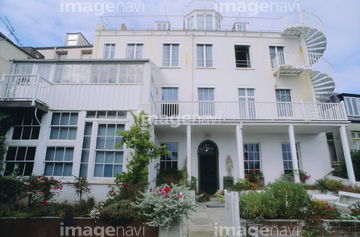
x=49, y=226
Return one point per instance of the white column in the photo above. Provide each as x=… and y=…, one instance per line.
x=240, y=150
x=293, y=153
x=188, y=151
x=345, y=144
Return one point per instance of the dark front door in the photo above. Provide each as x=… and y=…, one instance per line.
x=208, y=167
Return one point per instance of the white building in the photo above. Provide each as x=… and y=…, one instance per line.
x=215, y=86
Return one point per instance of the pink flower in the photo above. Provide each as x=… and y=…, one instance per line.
x=180, y=196
x=162, y=193
x=160, y=189
x=27, y=183
x=166, y=195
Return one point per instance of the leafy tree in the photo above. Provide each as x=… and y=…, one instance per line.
x=138, y=137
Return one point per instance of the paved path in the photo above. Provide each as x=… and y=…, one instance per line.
x=205, y=220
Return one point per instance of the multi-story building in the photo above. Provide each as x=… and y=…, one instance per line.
x=216, y=87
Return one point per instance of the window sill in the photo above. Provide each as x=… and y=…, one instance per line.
x=244, y=68
x=165, y=67
x=205, y=67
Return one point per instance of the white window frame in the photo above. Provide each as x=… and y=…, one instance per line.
x=172, y=161
x=63, y=161
x=276, y=64
x=60, y=126
x=205, y=63
x=284, y=108
x=248, y=60
x=288, y=152
x=111, y=52
x=259, y=160
x=207, y=107
x=247, y=104
x=355, y=137
x=352, y=105
x=171, y=56
x=134, y=52
x=17, y=161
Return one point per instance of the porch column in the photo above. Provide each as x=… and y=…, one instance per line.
x=293, y=153
x=348, y=161
x=188, y=151
x=240, y=150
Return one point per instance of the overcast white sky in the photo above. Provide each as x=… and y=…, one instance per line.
x=45, y=22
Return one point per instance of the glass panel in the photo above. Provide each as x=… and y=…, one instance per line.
x=59, y=154
x=73, y=119
x=98, y=170
x=111, y=114
x=49, y=169
x=64, y=119
x=90, y=114
x=85, y=156
x=72, y=133
x=69, y=154
x=102, y=130
x=50, y=154
x=88, y=128
x=99, y=157
x=54, y=134
x=117, y=169
x=209, y=24
x=108, y=171
x=110, y=143
x=55, y=119
x=28, y=168
x=110, y=130
x=200, y=22
x=175, y=55
x=67, y=169
x=109, y=157
x=95, y=69
x=83, y=169
x=100, y=143
x=209, y=56
x=64, y=133
x=130, y=51
x=58, y=169
x=118, y=157
x=166, y=57
x=200, y=55
x=139, y=49
x=355, y=106
x=86, y=142
x=30, y=155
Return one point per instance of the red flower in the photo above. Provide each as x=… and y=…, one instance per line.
x=180, y=196
x=114, y=194
x=329, y=208
x=125, y=185
x=167, y=189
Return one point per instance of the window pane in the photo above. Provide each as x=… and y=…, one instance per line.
x=49, y=169
x=64, y=119
x=69, y=154
x=118, y=157
x=73, y=119
x=54, y=134
x=175, y=55
x=50, y=154
x=117, y=169
x=58, y=169
x=59, y=154
x=209, y=56
x=99, y=157
x=108, y=171
x=109, y=157
x=63, y=133
x=85, y=156
x=102, y=130
x=55, y=119
x=67, y=169
x=200, y=55
x=83, y=169
x=98, y=170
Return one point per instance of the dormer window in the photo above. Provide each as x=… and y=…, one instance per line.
x=162, y=25
x=240, y=26
x=352, y=106
x=72, y=40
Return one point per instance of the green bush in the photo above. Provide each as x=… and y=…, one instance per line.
x=202, y=196
x=118, y=213
x=333, y=185
x=10, y=190
x=281, y=199
x=321, y=185
x=169, y=176
x=243, y=184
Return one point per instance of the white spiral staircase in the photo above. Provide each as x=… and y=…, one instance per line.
x=311, y=28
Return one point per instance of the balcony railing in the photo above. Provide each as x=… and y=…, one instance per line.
x=304, y=19
x=24, y=87
x=234, y=110
x=100, y=96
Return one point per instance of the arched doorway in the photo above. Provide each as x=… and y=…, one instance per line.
x=208, y=163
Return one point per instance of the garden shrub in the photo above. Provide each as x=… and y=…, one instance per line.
x=243, y=184
x=321, y=185
x=169, y=176
x=118, y=213
x=290, y=199
x=11, y=190
x=281, y=199
x=202, y=196
x=355, y=209
x=255, y=176
x=166, y=205
x=319, y=209
x=125, y=191
x=221, y=195
x=333, y=185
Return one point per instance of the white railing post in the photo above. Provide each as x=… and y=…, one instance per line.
x=36, y=90
x=343, y=110
x=303, y=110
x=2, y=86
